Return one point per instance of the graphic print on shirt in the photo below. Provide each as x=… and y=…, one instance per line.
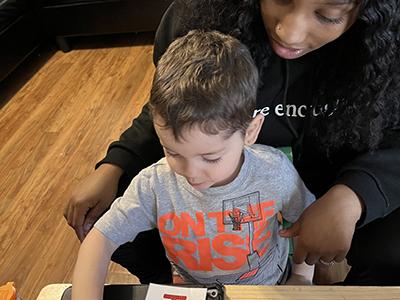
x=245, y=210
x=233, y=240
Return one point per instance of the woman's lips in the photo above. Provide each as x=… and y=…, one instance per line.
x=286, y=52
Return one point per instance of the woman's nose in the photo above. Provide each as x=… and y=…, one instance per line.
x=292, y=30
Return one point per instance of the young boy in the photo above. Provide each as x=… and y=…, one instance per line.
x=214, y=198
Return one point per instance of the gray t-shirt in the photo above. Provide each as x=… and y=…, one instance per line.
x=227, y=234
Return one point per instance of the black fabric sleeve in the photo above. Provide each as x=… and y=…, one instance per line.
x=375, y=178
x=138, y=146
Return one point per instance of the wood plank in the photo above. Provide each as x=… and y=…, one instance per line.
x=54, y=292
x=311, y=293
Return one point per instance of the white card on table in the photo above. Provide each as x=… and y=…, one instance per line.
x=167, y=292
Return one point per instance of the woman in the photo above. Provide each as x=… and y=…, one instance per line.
x=330, y=90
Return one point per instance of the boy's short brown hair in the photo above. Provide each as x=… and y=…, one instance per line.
x=207, y=79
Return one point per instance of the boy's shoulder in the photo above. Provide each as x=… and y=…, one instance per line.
x=269, y=162
x=158, y=169
x=268, y=154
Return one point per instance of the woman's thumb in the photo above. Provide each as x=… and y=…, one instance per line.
x=291, y=231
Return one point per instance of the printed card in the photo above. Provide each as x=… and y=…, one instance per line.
x=166, y=292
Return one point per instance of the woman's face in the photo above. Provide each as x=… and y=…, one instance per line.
x=297, y=27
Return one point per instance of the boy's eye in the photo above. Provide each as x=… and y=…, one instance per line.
x=171, y=154
x=212, y=161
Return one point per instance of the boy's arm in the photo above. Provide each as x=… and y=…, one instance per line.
x=302, y=274
x=91, y=266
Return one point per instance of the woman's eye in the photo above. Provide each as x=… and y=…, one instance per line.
x=212, y=161
x=327, y=20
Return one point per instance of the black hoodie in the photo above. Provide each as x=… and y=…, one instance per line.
x=285, y=101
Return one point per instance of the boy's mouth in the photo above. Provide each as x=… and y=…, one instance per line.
x=196, y=185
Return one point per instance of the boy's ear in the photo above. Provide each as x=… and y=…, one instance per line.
x=253, y=130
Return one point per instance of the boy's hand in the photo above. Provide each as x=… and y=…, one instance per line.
x=91, y=198
x=91, y=266
x=325, y=229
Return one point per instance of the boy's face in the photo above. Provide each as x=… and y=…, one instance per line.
x=204, y=160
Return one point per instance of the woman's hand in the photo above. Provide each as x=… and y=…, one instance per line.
x=325, y=229
x=91, y=198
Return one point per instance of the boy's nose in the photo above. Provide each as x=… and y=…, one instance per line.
x=190, y=171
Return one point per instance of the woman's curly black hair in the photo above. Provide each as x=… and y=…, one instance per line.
x=363, y=69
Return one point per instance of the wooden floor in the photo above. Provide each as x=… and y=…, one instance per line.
x=59, y=111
